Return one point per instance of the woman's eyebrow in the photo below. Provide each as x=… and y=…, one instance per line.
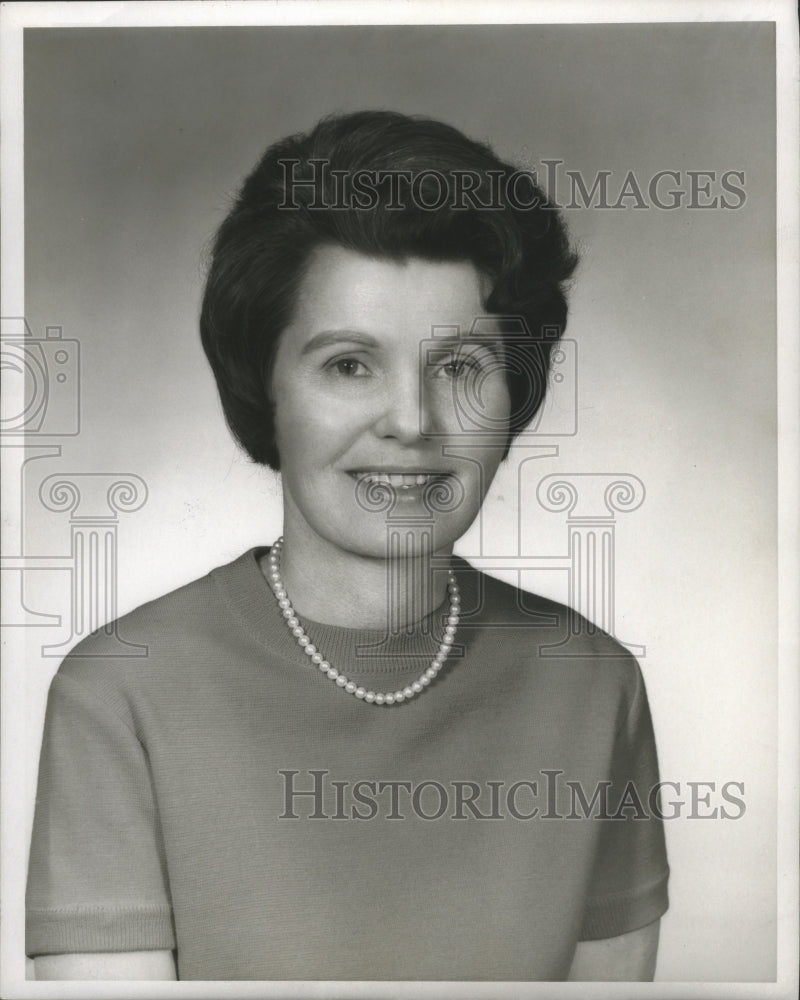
x=495, y=345
x=327, y=338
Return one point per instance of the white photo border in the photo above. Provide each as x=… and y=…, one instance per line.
x=17, y=16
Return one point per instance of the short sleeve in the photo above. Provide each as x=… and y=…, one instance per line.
x=97, y=875
x=628, y=887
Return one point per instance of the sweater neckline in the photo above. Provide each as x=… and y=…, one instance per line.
x=360, y=653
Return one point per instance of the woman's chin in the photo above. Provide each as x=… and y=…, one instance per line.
x=376, y=537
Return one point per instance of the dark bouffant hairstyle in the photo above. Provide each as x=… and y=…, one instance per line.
x=501, y=222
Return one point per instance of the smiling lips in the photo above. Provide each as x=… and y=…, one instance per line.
x=399, y=480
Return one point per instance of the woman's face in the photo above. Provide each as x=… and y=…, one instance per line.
x=360, y=400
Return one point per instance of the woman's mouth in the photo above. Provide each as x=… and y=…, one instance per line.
x=397, y=480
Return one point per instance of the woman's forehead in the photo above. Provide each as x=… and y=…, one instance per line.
x=344, y=288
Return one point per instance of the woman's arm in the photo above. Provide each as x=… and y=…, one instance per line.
x=628, y=958
x=107, y=965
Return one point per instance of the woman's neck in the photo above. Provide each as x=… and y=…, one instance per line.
x=329, y=585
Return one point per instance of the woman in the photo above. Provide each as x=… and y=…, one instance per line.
x=350, y=755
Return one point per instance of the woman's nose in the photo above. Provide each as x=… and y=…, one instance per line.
x=406, y=414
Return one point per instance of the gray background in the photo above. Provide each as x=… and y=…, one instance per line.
x=135, y=140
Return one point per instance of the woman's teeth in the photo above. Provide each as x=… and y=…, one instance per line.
x=399, y=480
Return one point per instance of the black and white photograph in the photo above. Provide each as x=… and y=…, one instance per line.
x=399, y=558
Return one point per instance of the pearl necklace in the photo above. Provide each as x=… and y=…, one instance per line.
x=350, y=687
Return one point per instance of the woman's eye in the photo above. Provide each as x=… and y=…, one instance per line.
x=348, y=367
x=459, y=367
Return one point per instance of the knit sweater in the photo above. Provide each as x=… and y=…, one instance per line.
x=221, y=797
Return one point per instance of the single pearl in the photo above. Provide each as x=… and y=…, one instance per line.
x=410, y=691
x=297, y=631
x=360, y=692
x=369, y=696
x=350, y=687
x=388, y=699
x=333, y=673
x=416, y=687
x=341, y=680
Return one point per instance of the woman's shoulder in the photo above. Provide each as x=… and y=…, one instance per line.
x=176, y=628
x=196, y=602
x=522, y=623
